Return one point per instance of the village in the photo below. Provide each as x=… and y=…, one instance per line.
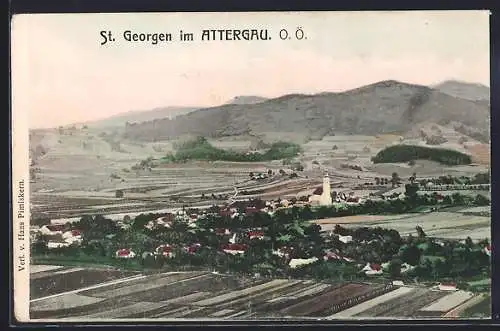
x=302, y=237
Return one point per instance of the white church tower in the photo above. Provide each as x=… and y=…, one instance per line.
x=326, y=196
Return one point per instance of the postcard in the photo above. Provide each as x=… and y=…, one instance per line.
x=251, y=166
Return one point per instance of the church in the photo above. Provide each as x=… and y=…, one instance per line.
x=325, y=197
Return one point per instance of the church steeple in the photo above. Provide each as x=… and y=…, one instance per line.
x=326, y=196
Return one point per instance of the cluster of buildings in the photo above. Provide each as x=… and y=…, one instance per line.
x=56, y=235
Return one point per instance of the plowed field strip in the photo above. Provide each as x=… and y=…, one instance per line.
x=170, y=290
x=241, y=293
x=318, y=304
x=60, y=283
x=372, y=303
x=404, y=306
x=260, y=297
x=146, y=285
x=307, y=294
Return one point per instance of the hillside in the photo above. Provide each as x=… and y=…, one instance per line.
x=468, y=91
x=246, y=100
x=140, y=116
x=383, y=107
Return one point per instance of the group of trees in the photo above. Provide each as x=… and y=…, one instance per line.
x=201, y=149
x=406, y=153
x=288, y=228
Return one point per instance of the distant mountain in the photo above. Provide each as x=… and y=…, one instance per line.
x=141, y=116
x=469, y=91
x=246, y=100
x=383, y=107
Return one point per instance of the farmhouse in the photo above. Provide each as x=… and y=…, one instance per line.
x=52, y=244
x=165, y=250
x=447, y=287
x=345, y=239
x=256, y=235
x=487, y=250
x=295, y=263
x=192, y=249
x=372, y=269
x=124, y=253
x=50, y=230
x=234, y=248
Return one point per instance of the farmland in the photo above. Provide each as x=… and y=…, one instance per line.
x=82, y=170
x=108, y=294
x=446, y=225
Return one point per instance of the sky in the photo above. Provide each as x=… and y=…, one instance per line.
x=61, y=73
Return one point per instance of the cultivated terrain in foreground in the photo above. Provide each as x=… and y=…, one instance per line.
x=73, y=293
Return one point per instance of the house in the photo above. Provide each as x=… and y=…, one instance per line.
x=222, y=232
x=331, y=256
x=447, y=287
x=353, y=200
x=165, y=250
x=283, y=251
x=124, y=253
x=251, y=210
x=53, y=229
x=372, y=269
x=76, y=234
x=405, y=267
x=295, y=263
x=192, y=249
x=232, y=240
x=57, y=244
x=398, y=283
x=234, y=248
x=256, y=235
x=345, y=239
x=487, y=250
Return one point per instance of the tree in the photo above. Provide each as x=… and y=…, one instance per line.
x=251, y=174
x=468, y=243
x=282, y=172
x=481, y=200
x=377, y=181
x=394, y=268
x=119, y=194
x=420, y=231
x=411, y=255
x=270, y=172
x=395, y=179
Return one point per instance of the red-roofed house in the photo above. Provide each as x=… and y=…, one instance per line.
x=52, y=229
x=251, y=210
x=225, y=213
x=487, y=250
x=165, y=250
x=124, y=253
x=372, y=269
x=234, y=248
x=331, y=256
x=256, y=235
x=447, y=287
x=192, y=249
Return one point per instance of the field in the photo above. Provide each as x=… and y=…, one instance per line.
x=446, y=224
x=82, y=170
x=73, y=294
